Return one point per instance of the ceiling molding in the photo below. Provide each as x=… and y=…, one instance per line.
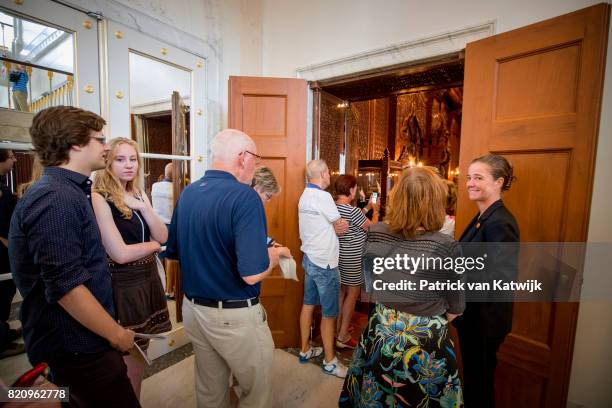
x=411, y=51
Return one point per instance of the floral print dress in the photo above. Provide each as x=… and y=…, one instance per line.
x=403, y=361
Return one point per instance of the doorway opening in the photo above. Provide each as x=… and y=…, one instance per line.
x=372, y=124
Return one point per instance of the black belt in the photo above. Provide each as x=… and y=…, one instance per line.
x=225, y=304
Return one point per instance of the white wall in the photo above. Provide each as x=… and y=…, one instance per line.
x=233, y=25
x=226, y=32
x=241, y=39
x=297, y=34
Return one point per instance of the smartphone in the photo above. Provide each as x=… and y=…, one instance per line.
x=374, y=197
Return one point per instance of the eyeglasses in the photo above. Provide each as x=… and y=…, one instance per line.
x=268, y=196
x=101, y=139
x=257, y=157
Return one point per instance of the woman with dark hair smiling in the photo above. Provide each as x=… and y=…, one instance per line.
x=484, y=325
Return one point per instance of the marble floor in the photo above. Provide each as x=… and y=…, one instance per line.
x=169, y=381
x=294, y=385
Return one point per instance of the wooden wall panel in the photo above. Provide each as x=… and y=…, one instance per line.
x=265, y=115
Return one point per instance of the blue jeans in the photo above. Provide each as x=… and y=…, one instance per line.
x=321, y=287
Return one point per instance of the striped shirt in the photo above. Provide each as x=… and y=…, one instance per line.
x=351, y=246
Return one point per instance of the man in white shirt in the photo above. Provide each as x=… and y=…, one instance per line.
x=320, y=223
x=162, y=197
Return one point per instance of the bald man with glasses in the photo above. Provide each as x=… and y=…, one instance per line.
x=218, y=234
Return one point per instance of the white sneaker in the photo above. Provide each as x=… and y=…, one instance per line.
x=334, y=367
x=311, y=353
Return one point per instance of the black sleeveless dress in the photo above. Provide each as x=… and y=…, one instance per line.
x=140, y=301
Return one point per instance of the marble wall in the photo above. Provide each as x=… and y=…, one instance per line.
x=226, y=33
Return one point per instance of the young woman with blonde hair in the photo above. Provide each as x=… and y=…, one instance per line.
x=131, y=232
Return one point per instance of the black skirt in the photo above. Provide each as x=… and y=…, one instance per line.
x=140, y=301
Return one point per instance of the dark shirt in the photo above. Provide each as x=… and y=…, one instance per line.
x=496, y=224
x=218, y=233
x=55, y=246
x=7, y=205
x=490, y=313
x=133, y=230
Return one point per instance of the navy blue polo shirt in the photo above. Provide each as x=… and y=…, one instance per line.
x=218, y=234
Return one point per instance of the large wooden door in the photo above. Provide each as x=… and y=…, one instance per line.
x=534, y=95
x=273, y=112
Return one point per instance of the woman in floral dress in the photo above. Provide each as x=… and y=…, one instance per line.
x=405, y=357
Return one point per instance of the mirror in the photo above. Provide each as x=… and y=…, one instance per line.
x=152, y=83
x=160, y=95
x=37, y=65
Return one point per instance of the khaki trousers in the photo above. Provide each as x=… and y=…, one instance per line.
x=20, y=100
x=230, y=341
